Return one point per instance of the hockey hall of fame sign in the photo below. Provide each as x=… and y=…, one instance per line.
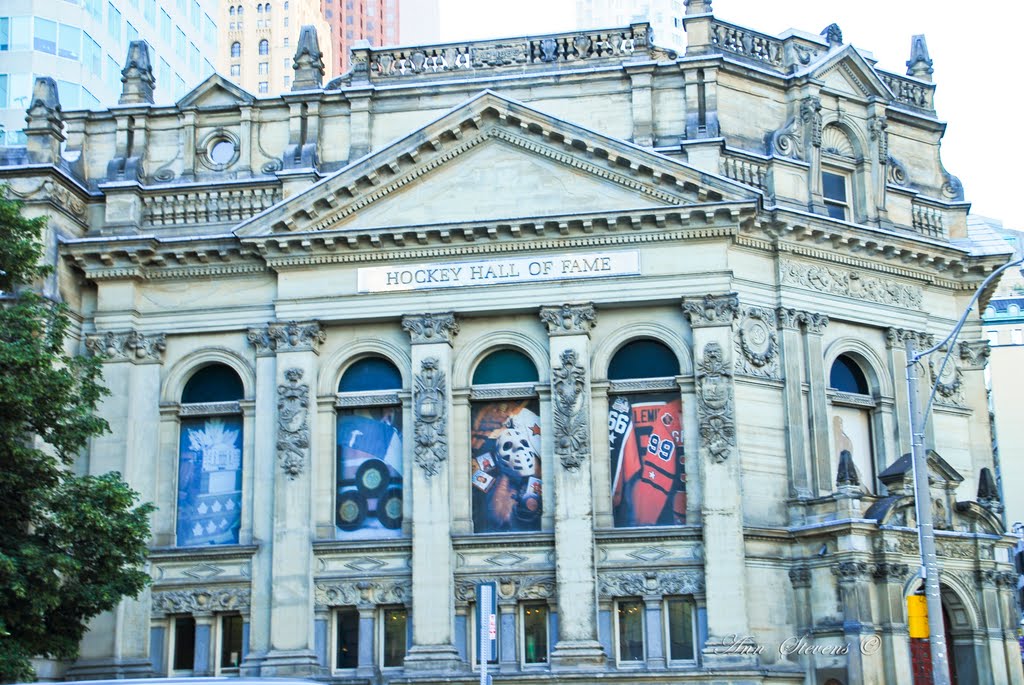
x=531, y=269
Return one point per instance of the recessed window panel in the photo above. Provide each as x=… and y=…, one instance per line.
x=230, y=641
x=506, y=466
x=680, y=629
x=184, y=655
x=395, y=631
x=369, y=374
x=213, y=383
x=643, y=359
x=535, y=634
x=369, y=473
x=505, y=366
x=209, y=481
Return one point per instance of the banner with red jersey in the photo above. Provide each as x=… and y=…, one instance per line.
x=645, y=434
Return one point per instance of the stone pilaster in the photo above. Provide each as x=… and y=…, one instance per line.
x=264, y=466
x=855, y=603
x=792, y=347
x=697, y=23
x=577, y=643
x=892, y=661
x=896, y=344
x=641, y=78
x=507, y=611
x=292, y=632
x=117, y=643
x=817, y=402
x=711, y=320
x=433, y=598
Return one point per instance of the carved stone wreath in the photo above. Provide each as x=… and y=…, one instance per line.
x=292, y=423
x=572, y=440
x=715, y=405
x=429, y=408
x=757, y=343
x=948, y=385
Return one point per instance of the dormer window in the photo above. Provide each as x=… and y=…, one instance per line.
x=835, y=189
x=838, y=166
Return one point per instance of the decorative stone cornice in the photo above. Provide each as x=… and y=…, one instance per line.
x=572, y=425
x=715, y=413
x=200, y=601
x=681, y=582
x=569, y=319
x=431, y=328
x=127, y=346
x=712, y=310
x=975, y=353
x=430, y=416
x=295, y=336
x=293, y=423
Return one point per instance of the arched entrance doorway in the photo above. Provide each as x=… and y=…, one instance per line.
x=958, y=621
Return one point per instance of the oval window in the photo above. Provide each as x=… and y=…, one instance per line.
x=222, y=152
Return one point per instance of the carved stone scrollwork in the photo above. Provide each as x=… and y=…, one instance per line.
x=1008, y=580
x=293, y=423
x=851, y=284
x=800, y=577
x=686, y=582
x=430, y=408
x=352, y=592
x=788, y=141
x=897, y=174
x=810, y=115
x=297, y=337
x=431, y=328
x=715, y=405
x=569, y=319
x=890, y=572
x=987, y=578
x=261, y=340
x=877, y=127
x=974, y=353
x=712, y=310
x=757, y=343
x=200, y=601
x=852, y=571
x=127, y=346
x=572, y=431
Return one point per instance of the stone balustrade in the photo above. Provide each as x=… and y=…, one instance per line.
x=745, y=170
x=553, y=49
x=910, y=92
x=747, y=43
x=928, y=221
x=206, y=205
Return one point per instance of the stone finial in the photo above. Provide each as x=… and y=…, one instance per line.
x=44, y=122
x=308, y=62
x=988, y=493
x=833, y=34
x=919, y=65
x=137, y=76
x=846, y=474
x=698, y=6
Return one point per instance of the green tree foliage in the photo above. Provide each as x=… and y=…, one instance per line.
x=70, y=546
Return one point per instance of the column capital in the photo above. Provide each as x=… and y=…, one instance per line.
x=898, y=337
x=297, y=336
x=569, y=319
x=431, y=328
x=261, y=340
x=131, y=345
x=712, y=310
x=793, y=319
x=890, y=572
x=800, y=577
x=975, y=353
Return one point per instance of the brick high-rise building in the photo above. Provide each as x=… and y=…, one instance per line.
x=373, y=20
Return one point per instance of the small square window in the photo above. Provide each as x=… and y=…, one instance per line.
x=835, y=190
x=535, y=634
x=264, y=87
x=394, y=634
x=629, y=624
x=348, y=638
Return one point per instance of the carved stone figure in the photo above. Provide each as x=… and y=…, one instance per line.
x=714, y=404
x=430, y=410
x=572, y=435
x=293, y=423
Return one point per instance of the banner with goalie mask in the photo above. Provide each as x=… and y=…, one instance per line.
x=645, y=434
x=506, y=468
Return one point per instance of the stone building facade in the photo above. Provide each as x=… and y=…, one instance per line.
x=619, y=330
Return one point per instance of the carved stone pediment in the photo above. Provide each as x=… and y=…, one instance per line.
x=215, y=91
x=848, y=73
x=492, y=159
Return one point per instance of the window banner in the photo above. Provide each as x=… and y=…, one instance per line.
x=210, y=481
x=648, y=467
x=369, y=473
x=506, y=467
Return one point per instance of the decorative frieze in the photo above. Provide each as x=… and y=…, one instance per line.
x=337, y=593
x=848, y=283
x=510, y=587
x=127, y=346
x=569, y=319
x=431, y=328
x=293, y=423
x=681, y=582
x=430, y=417
x=572, y=432
x=712, y=310
x=757, y=343
x=715, y=404
x=209, y=409
x=200, y=601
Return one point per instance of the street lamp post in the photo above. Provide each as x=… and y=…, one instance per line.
x=922, y=498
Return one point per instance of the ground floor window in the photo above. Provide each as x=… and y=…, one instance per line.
x=534, y=633
x=183, y=649
x=629, y=630
x=348, y=638
x=394, y=636
x=682, y=626
x=230, y=643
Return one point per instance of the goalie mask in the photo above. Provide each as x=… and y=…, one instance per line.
x=516, y=451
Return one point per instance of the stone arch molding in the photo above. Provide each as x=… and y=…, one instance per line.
x=335, y=593
x=614, y=341
x=183, y=369
x=878, y=372
x=334, y=366
x=851, y=128
x=472, y=354
x=955, y=587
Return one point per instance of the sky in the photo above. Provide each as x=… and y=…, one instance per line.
x=972, y=51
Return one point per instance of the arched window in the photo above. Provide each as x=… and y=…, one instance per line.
x=505, y=438
x=645, y=435
x=231, y=11
x=266, y=8
x=837, y=173
x=852, y=414
x=369, y=450
x=259, y=8
x=236, y=49
x=264, y=47
x=209, y=498
x=240, y=10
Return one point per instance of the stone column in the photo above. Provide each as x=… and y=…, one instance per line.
x=711, y=320
x=508, y=662
x=855, y=603
x=892, y=660
x=653, y=625
x=292, y=637
x=792, y=402
x=202, y=658
x=577, y=643
x=433, y=598
x=117, y=644
x=264, y=468
x=896, y=344
x=1007, y=581
x=367, y=612
x=817, y=402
